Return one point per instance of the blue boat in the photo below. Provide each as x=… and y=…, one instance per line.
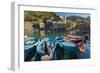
x=72, y=47
x=41, y=45
x=66, y=44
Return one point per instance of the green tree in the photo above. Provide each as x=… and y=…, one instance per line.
x=36, y=15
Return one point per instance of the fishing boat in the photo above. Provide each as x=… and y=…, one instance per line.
x=58, y=46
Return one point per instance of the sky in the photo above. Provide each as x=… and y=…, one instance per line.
x=70, y=14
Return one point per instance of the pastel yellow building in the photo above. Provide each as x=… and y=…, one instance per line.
x=42, y=26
